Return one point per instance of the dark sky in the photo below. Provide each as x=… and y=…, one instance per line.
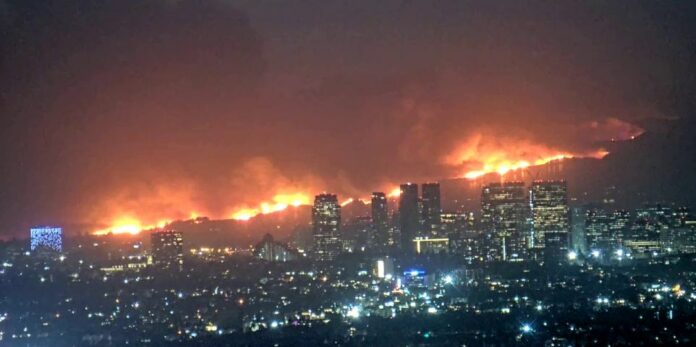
x=163, y=107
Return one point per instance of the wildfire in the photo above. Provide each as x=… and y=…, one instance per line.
x=394, y=193
x=279, y=202
x=129, y=225
x=482, y=155
x=503, y=166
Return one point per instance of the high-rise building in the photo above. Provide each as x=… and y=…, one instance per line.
x=578, y=241
x=409, y=219
x=432, y=210
x=504, y=220
x=550, y=218
x=379, y=236
x=270, y=250
x=46, y=238
x=355, y=233
x=168, y=249
x=326, y=223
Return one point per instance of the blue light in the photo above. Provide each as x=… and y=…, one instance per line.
x=414, y=272
x=46, y=237
x=526, y=328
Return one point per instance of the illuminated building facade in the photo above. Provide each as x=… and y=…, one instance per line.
x=578, y=242
x=409, y=219
x=326, y=223
x=384, y=267
x=464, y=239
x=168, y=249
x=550, y=219
x=270, y=250
x=46, y=238
x=379, y=236
x=425, y=245
x=597, y=229
x=432, y=210
x=504, y=215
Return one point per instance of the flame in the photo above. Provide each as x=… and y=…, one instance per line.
x=394, y=193
x=483, y=155
x=130, y=225
x=279, y=202
x=122, y=225
x=346, y=202
x=502, y=167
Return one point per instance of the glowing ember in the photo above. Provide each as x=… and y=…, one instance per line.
x=279, y=202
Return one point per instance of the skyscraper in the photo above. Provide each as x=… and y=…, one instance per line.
x=326, y=223
x=270, y=250
x=578, y=228
x=504, y=214
x=409, y=219
x=168, y=249
x=432, y=210
x=550, y=218
x=379, y=236
x=47, y=238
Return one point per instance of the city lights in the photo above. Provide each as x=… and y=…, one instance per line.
x=351, y=173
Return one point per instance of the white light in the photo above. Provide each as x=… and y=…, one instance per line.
x=595, y=253
x=380, y=268
x=572, y=255
x=354, y=312
x=526, y=328
x=414, y=273
x=619, y=253
x=274, y=324
x=448, y=279
x=432, y=310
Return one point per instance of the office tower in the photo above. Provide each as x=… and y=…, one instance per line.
x=379, y=236
x=652, y=222
x=550, y=219
x=326, y=223
x=597, y=230
x=168, y=249
x=384, y=267
x=432, y=210
x=409, y=219
x=619, y=225
x=578, y=242
x=46, y=238
x=270, y=250
x=504, y=215
x=354, y=234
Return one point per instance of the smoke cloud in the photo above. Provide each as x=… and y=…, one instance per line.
x=162, y=109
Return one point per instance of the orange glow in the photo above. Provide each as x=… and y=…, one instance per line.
x=394, y=193
x=130, y=226
x=279, y=202
x=501, y=167
x=481, y=156
x=346, y=202
x=122, y=225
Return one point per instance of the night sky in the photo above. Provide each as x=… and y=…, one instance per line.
x=163, y=107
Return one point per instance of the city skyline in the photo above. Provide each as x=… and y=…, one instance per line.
x=123, y=137
x=347, y=173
